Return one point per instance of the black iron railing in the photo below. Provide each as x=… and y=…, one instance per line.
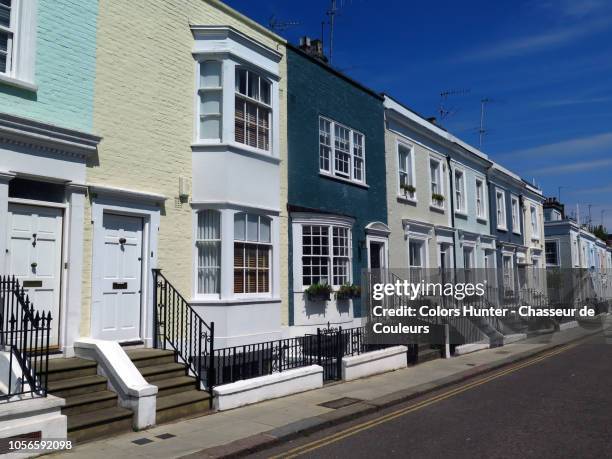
x=24, y=341
x=325, y=348
x=179, y=327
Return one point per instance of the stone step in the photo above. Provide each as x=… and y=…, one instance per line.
x=174, y=385
x=182, y=405
x=148, y=357
x=99, y=424
x=93, y=401
x=163, y=371
x=76, y=386
x=70, y=368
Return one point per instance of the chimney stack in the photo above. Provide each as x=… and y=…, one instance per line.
x=313, y=47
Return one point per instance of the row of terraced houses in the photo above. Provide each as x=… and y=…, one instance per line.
x=184, y=137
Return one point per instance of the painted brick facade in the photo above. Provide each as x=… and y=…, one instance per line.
x=65, y=66
x=145, y=110
x=313, y=91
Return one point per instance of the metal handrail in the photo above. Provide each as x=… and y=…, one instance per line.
x=179, y=327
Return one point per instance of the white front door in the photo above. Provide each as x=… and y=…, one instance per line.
x=35, y=257
x=117, y=315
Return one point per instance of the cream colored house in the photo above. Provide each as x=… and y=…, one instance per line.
x=421, y=234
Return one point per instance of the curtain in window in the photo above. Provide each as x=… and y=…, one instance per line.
x=209, y=252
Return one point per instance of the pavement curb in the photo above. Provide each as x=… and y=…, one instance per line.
x=274, y=437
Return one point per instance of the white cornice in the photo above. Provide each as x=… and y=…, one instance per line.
x=216, y=32
x=124, y=193
x=23, y=131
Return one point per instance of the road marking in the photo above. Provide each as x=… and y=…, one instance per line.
x=297, y=451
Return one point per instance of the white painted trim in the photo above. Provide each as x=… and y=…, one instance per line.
x=151, y=219
x=375, y=362
x=125, y=193
x=385, y=242
x=400, y=142
x=249, y=391
x=25, y=131
x=515, y=199
x=124, y=378
x=332, y=168
x=503, y=227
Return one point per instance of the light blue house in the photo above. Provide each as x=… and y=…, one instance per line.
x=47, y=73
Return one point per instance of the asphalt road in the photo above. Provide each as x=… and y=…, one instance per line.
x=556, y=407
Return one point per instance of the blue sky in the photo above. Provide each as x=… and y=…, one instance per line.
x=546, y=65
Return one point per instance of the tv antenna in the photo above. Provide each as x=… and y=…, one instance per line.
x=444, y=110
x=482, y=131
x=278, y=26
x=331, y=13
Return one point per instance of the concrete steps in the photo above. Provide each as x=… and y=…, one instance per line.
x=177, y=396
x=93, y=411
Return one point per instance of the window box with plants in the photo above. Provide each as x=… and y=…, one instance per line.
x=348, y=291
x=319, y=292
x=408, y=190
x=437, y=199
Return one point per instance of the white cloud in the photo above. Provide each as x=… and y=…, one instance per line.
x=537, y=42
x=580, y=145
x=573, y=167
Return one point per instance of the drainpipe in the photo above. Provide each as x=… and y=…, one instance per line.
x=452, y=210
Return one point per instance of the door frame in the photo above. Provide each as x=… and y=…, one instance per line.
x=112, y=201
x=63, y=279
x=382, y=240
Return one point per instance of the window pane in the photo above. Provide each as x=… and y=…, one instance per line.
x=265, y=92
x=3, y=42
x=210, y=102
x=210, y=127
x=210, y=74
x=324, y=144
x=209, y=251
x=264, y=229
x=253, y=86
x=5, y=13
x=240, y=121
x=241, y=81
x=252, y=224
x=239, y=226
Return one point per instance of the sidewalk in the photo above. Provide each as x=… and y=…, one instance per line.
x=275, y=420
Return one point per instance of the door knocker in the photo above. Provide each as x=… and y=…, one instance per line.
x=34, y=240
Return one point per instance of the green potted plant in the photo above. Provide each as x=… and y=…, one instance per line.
x=438, y=198
x=348, y=291
x=407, y=189
x=319, y=292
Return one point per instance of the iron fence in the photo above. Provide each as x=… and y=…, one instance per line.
x=24, y=340
x=325, y=348
x=180, y=328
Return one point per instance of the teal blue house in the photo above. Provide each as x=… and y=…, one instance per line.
x=336, y=190
x=47, y=75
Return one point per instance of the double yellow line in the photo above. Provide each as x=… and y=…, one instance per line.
x=298, y=451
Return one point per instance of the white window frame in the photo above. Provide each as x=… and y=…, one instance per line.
x=423, y=243
x=480, y=195
x=460, y=194
x=331, y=171
x=21, y=45
x=535, y=226
x=557, y=250
x=299, y=220
x=408, y=170
x=501, y=209
x=258, y=243
x=258, y=104
x=213, y=295
x=202, y=90
x=508, y=273
x=440, y=178
x=516, y=214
